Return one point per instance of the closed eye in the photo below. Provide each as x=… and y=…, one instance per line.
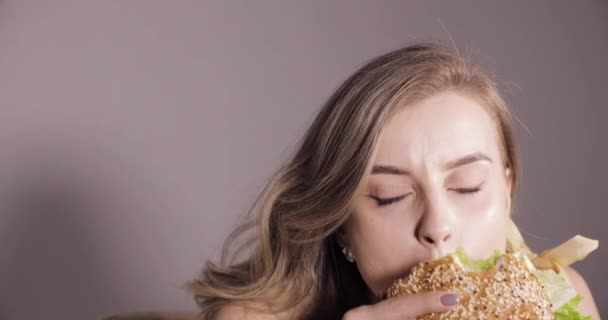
x=471, y=190
x=467, y=190
x=388, y=201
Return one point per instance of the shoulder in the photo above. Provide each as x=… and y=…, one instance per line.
x=270, y=306
x=587, y=306
x=240, y=311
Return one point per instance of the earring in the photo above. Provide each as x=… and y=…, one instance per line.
x=348, y=254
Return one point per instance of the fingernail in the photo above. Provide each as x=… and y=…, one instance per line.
x=449, y=299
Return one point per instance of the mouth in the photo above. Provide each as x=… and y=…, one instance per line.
x=438, y=252
x=435, y=254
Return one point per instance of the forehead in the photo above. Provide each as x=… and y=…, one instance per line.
x=437, y=129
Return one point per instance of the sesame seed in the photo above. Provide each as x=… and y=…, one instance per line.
x=510, y=291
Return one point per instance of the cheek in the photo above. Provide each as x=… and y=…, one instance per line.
x=374, y=234
x=484, y=229
x=380, y=240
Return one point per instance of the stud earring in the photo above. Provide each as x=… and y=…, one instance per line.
x=348, y=254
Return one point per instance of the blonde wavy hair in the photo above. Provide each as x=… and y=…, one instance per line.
x=291, y=253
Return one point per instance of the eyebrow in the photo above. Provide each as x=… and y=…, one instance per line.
x=383, y=169
x=473, y=157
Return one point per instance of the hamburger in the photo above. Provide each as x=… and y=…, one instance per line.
x=515, y=284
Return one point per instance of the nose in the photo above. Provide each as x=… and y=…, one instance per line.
x=435, y=229
x=435, y=237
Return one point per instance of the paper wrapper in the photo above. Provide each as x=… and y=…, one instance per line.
x=563, y=255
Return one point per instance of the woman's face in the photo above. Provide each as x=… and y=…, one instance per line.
x=438, y=183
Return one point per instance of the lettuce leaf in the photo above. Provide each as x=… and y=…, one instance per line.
x=559, y=289
x=477, y=265
x=563, y=296
x=569, y=310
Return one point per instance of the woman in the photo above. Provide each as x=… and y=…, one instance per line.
x=411, y=157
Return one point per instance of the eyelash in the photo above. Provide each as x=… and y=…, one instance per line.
x=468, y=190
x=388, y=201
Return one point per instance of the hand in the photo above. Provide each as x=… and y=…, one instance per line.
x=405, y=307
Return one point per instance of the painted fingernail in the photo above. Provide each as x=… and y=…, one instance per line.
x=449, y=299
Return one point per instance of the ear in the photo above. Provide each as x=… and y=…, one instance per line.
x=509, y=182
x=342, y=237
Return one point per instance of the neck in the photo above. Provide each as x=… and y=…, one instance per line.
x=373, y=298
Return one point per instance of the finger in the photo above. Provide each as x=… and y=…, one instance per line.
x=414, y=305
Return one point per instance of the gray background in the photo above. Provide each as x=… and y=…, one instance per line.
x=134, y=133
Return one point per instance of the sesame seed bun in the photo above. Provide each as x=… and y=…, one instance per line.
x=506, y=291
